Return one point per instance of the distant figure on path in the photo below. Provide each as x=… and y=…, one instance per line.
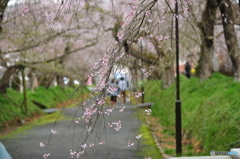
x=113, y=91
x=187, y=70
x=123, y=86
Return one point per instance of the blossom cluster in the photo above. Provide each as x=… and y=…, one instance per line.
x=77, y=121
x=109, y=111
x=88, y=112
x=53, y=131
x=101, y=68
x=117, y=124
x=42, y=144
x=145, y=72
x=133, y=10
x=46, y=155
x=139, y=94
x=112, y=89
x=130, y=144
x=148, y=111
x=76, y=154
x=122, y=109
x=139, y=136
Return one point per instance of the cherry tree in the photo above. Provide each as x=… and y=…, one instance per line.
x=228, y=20
x=141, y=41
x=212, y=11
x=54, y=37
x=43, y=40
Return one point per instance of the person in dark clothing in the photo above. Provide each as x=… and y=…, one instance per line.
x=187, y=70
x=113, y=91
x=113, y=99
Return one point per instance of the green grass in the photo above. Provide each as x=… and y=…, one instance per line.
x=11, y=108
x=50, y=118
x=210, y=110
x=17, y=132
x=51, y=96
x=149, y=148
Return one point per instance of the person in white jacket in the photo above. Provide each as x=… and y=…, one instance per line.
x=123, y=85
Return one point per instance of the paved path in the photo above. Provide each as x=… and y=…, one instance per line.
x=102, y=142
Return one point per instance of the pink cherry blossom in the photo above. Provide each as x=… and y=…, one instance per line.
x=91, y=145
x=130, y=144
x=41, y=144
x=148, y=111
x=122, y=109
x=101, y=143
x=72, y=153
x=46, y=155
x=139, y=136
x=53, y=131
x=84, y=146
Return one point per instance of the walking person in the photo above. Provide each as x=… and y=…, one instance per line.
x=187, y=70
x=113, y=91
x=123, y=85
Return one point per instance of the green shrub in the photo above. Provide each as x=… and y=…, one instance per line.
x=11, y=104
x=12, y=107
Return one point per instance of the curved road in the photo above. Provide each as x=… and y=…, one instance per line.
x=113, y=136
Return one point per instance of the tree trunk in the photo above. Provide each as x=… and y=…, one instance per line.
x=59, y=77
x=25, y=104
x=165, y=71
x=60, y=81
x=3, y=6
x=33, y=80
x=207, y=34
x=169, y=76
x=166, y=67
x=4, y=82
x=46, y=80
x=71, y=83
x=226, y=10
x=15, y=82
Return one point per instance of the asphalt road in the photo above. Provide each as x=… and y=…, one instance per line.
x=110, y=134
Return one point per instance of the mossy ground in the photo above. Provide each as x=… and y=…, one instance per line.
x=149, y=148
